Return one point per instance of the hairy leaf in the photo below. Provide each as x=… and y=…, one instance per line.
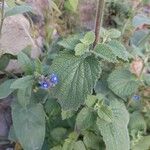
x=104, y=112
x=77, y=77
x=79, y=145
x=80, y=49
x=123, y=83
x=25, y=63
x=70, y=42
x=104, y=51
x=85, y=119
x=24, y=96
x=137, y=123
x=91, y=141
x=143, y=144
x=22, y=83
x=115, y=134
x=118, y=49
x=88, y=38
x=29, y=125
x=5, y=89
x=113, y=33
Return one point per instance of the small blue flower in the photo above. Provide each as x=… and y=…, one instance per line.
x=54, y=79
x=136, y=97
x=44, y=84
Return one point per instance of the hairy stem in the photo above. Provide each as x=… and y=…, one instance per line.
x=99, y=19
x=2, y=16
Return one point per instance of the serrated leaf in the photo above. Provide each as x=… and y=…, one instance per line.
x=113, y=33
x=123, y=83
x=118, y=49
x=89, y=38
x=104, y=112
x=25, y=63
x=17, y=10
x=104, y=51
x=115, y=134
x=22, y=83
x=70, y=42
x=77, y=77
x=80, y=49
x=85, y=119
x=28, y=123
x=91, y=141
x=5, y=89
x=79, y=145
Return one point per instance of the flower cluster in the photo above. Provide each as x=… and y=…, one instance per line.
x=48, y=82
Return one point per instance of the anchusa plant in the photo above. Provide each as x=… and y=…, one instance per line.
x=90, y=91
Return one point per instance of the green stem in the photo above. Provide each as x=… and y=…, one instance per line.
x=99, y=19
x=2, y=17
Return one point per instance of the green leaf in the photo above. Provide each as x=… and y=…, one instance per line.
x=52, y=107
x=85, y=119
x=118, y=49
x=58, y=134
x=77, y=77
x=25, y=63
x=24, y=96
x=4, y=60
x=29, y=125
x=90, y=100
x=89, y=38
x=104, y=112
x=38, y=66
x=113, y=33
x=17, y=10
x=143, y=144
x=79, y=145
x=22, y=83
x=66, y=114
x=115, y=134
x=56, y=148
x=5, y=89
x=123, y=83
x=137, y=123
x=70, y=42
x=147, y=79
x=70, y=141
x=80, y=49
x=104, y=51
x=91, y=141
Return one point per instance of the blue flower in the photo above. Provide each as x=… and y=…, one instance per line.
x=54, y=79
x=44, y=84
x=136, y=97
